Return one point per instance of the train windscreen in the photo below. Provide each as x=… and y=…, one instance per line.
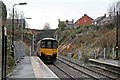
x=49, y=44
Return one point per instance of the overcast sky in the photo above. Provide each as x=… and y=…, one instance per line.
x=42, y=11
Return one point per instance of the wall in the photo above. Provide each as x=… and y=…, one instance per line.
x=85, y=21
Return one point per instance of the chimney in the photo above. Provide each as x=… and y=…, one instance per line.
x=104, y=15
x=72, y=20
x=66, y=21
x=85, y=14
x=109, y=15
x=58, y=20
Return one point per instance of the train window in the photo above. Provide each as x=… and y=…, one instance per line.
x=55, y=44
x=43, y=44
x=49, y=44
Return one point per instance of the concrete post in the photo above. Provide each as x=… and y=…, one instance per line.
x=113, y=52
x=104, y=53
x=30, y=50
x=95, y=55
x=79, y=55
x=33, y=44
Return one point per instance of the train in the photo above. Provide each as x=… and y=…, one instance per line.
x=47, y=49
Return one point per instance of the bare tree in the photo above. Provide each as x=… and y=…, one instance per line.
x=10, y=14
x=46, y=26
x=17, y=14
x=113, y=8
x=21, y=15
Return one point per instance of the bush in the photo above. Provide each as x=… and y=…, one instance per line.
x=84, y=58
x=10, y=60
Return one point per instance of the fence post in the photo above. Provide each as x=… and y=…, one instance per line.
x=104, y=53
x=3, y=46
x=30, y=50
x=5, y=56
x=95, y=55
x=113, y=52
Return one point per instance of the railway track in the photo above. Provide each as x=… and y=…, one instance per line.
x=92, y=72
x=67, y=72
x=60, y=72
x=111, y=73
x=69, y=75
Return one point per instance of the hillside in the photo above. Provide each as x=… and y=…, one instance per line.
x=87, y=41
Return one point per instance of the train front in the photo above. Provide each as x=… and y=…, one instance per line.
x=49, y=50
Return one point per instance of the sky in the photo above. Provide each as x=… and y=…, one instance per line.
x=49, y=11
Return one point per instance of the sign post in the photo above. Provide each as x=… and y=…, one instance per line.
x=0, y=39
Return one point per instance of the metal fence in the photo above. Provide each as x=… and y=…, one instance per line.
x=106, y=53
x=19, y=50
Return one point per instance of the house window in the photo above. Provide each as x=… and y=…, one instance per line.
x=85, y=21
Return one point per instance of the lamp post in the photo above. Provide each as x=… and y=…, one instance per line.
x=117, y=35
x=12, y=46
x=116, y=25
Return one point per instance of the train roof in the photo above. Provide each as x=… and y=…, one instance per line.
x=49, y=39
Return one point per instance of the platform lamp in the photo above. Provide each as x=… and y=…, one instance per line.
x=116, y=25
x=12, y=46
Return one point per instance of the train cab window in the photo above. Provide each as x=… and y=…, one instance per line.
x=43, y=44
x=55, y=44
x=49, y=44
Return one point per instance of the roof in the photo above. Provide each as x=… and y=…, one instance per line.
x=82, y=17
x=85, y=15
x=100, y=18
x=48, y=39
x=106, y=19
x=70, y=22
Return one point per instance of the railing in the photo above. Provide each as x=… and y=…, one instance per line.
x=20, y=50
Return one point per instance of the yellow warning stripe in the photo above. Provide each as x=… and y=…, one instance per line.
x=35, y=67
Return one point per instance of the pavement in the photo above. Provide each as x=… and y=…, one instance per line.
x=31, y=68
x=23, y=70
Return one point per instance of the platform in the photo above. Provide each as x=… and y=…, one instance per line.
x=31, y=68
x=108, y=63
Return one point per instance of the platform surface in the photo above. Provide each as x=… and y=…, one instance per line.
x=111, y=62
x=23, y=70
x=31, y=68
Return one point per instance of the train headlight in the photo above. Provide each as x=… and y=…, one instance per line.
x=54, y=53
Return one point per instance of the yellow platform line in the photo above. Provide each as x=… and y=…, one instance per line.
x=36, y=69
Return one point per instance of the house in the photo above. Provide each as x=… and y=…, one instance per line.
x=84, y=21
x=103, y=20
x=69, y=24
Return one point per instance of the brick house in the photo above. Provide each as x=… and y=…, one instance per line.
x=84, y=21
